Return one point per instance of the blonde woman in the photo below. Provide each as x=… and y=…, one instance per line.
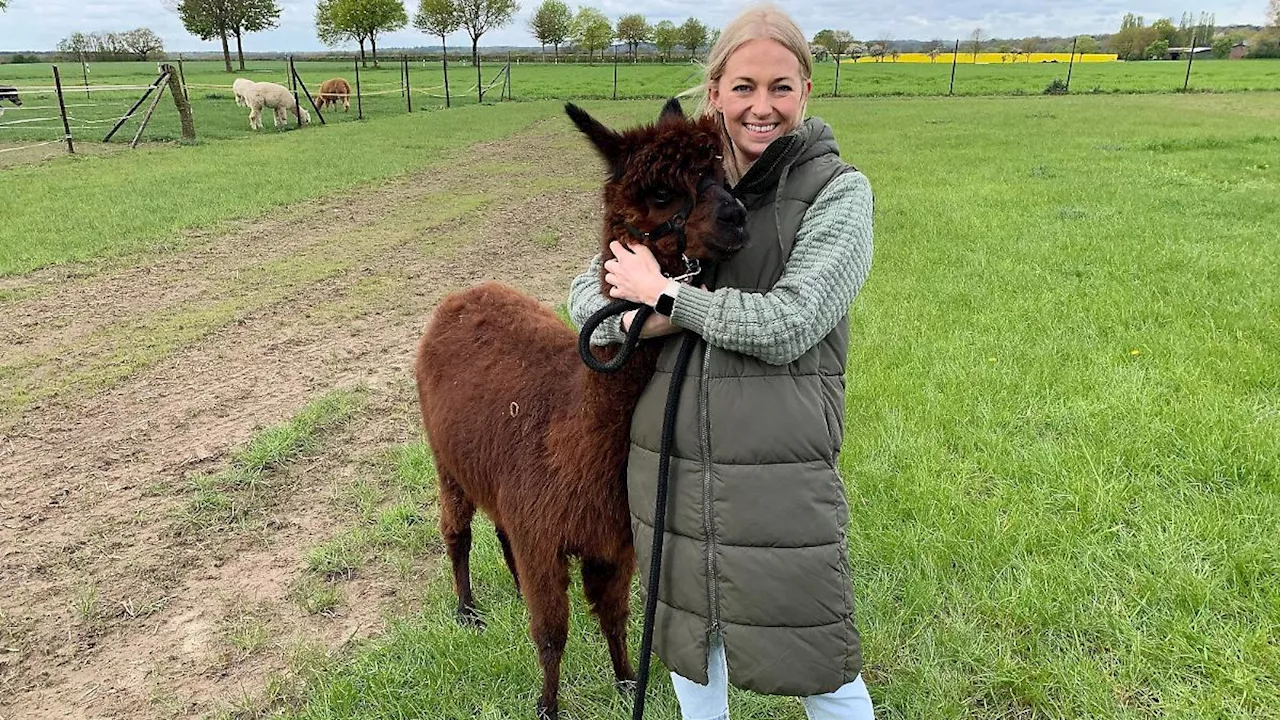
x=756, y=587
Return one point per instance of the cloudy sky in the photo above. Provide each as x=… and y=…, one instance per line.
x=39, y=24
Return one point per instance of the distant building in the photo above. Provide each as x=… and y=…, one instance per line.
x=1180, y=53
x=1239, y=51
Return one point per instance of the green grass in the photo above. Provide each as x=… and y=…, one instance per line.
x=230, y=497
x=79, y=208
x=1062, y=441
x=218, y=117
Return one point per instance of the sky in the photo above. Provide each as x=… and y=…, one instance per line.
x=40, y=24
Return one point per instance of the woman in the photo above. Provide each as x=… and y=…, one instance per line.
x=756, y=587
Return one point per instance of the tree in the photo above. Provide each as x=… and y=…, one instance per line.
x=367, y=18
x=1273, y=12
x=877, y=51
x=976, y=39
x=331, y=32
x=4, y=5
x=836, y=42
x=933, y=49
x=666, y=36
x=592, y=30
x=479, y=17
x=141, y=42
x=1222, y=47
x=208, y=19
x=634, y=30
x=693, y=35
x=439, y=17
x=1134, y=38
x=248, y=16
x=1157, y=50
x=1087, y=45
x=1165, y=30
x=552, y=24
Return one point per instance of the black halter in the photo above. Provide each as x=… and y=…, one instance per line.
x=675, y=224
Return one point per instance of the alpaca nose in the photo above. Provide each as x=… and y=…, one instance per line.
x=732, y=213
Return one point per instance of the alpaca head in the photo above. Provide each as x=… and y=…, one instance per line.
x=306, y=116
x=665, y=188
x=10, y=94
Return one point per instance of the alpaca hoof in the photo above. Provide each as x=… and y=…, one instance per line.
x=548, y=711
x=468, y=617
x=625, y=688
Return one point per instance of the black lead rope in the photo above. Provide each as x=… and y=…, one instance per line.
x=687, y=346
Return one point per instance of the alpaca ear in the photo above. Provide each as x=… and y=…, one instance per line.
x=607, y=142
x=671, y=110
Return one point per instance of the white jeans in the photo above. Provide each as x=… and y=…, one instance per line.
x=711, y=701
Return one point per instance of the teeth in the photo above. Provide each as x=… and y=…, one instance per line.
x=761, y=128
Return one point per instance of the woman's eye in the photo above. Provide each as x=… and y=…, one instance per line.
x=741, y=88
x=782, y=89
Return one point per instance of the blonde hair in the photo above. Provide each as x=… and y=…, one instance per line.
x=759, y=22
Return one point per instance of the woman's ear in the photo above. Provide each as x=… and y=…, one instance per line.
x=808, y=88
x=713, y=94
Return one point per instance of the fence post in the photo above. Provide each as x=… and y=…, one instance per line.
x=297, y=104
x=298, y=79
x=181, y=101
x=182, y=77
x=954, y=56
x=837, y=90
x=615, y=72
x=508, y=76
x=120, y=123
x=359, y=98
x=1190, y=57
x=1072, y=64
x=444, y=64
x=66, y=126
x=408, y=89
x=84, y=67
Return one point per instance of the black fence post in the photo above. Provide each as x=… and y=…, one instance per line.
x=66, y=126
x=85, y=68
x=954, y=56
x=615, y=72
x=1072, y=64
x=1190, y=57
x=444, y=64
x=297, y=103
x=508, y=76
x=837, y=88
x=359, y=98
x=298, y=79
x=408, y=87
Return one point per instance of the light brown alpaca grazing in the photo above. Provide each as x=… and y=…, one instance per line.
x=333, y=91
x=522, y=430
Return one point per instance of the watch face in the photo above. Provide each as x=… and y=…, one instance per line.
x=665, y=305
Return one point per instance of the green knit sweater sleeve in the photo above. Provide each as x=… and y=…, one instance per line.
x=585, y=299
x=828, y=265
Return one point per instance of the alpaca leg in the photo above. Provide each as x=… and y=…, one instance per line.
x=546, y=588
x=456, y=511
x=255, y=116
x=346, y=103
x=506, y=555
x=607, y=585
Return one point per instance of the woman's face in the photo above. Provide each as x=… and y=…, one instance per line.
x=760, y=94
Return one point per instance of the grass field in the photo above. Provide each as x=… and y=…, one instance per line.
x=1063, y=428
x=217, y=115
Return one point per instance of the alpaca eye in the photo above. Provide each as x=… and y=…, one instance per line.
x=661, y=196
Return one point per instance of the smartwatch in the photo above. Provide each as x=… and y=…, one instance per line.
x=666, y=303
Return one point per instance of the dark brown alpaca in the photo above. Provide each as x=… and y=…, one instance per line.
x=521, y=429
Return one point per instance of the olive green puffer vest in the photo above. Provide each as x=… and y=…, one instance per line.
x=755, y=545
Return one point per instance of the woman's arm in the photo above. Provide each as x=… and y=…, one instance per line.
x=585, y=299
x=828, y=265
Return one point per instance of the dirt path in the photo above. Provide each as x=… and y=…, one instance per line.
x=124, y=383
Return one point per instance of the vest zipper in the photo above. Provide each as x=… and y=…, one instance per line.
x=704, y=432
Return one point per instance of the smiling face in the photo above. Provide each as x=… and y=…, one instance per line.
x=761, y=96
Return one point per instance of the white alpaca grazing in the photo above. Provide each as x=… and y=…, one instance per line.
x=274, y=96
x=241, y=88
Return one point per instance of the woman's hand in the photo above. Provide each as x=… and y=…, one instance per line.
x=654, y=325
x=633, y=274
